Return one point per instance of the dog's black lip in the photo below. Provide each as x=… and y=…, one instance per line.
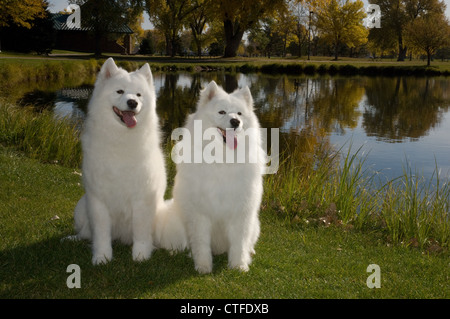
x=224, y=134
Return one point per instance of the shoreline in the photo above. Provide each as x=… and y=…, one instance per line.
x=15, y=69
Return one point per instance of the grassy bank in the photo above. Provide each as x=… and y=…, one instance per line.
x=330, y=188
x=40, y=135
x=321, y=185
x=21, y=69
x=343, y=69
x=291, y=261
x=323, y=222
x=18, y=70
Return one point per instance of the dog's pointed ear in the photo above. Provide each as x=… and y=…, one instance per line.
x=246, y=95
x=208, y=93
x=109, y=68
x=146, y=73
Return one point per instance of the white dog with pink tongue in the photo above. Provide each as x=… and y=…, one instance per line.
x=216, y=201
x=123, y=166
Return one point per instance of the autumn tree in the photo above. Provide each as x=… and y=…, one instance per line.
x=397, y=15
x=340, y=22
x=197, y=22
x=284, y=26
x=382, y=40
x=238, y=16
x=28, y=21
x=259, y=39
x=299, y=12
x=152, y=42
x=21, y=12
x=169, y=16
x=428, y=33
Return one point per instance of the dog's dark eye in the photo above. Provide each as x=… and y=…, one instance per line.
x=222, y=112
x=120, y=92
x=139, y=94
x=239, y=113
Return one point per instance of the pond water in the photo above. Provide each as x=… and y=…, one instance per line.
x=398, y=121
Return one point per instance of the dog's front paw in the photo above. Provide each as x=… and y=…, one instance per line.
x=203, y=269
x=100, y=259
x=203, y=263
x=242, y=267
x=142, y=251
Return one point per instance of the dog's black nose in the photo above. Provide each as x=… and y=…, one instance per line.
x=132, y=104
x=235, y=123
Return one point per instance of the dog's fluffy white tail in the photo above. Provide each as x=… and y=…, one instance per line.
x=168, y=228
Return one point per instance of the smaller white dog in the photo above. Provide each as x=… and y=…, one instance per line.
x=123, y=166
x=216, y=202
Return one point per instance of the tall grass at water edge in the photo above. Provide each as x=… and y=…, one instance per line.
x=313, y=186
x=332, y=188
x=417, y=210
x=40, y=135
x=20, y=70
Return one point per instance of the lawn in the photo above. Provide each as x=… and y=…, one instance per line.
x=296, y=256
x=291, y=261
x=20, y=67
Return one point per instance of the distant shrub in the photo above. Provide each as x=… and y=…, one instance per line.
x=293, y=69
x=248, y=68
x=273, y=68
x=322, y=69
x=310, y=69
x=332, y=69
x=348, y=69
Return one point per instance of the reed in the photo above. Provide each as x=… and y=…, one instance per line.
x=40, y=135
x=337, y=189
x=415, y=211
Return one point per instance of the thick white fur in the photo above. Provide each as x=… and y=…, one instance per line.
x=169, y=231
x=123, y=168
x=217, y=203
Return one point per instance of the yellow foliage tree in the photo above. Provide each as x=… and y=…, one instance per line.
x=340, y=22
x=169, y=16
x=21, y=12
x=284, y=26
x=239, y=16
x=428, y=33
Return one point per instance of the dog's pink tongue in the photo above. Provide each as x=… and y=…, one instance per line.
x=129, y=119
x=231, y=139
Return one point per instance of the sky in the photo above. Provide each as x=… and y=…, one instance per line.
x=59, y=5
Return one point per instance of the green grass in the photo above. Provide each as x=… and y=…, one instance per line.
x=292, y=261
x=417, y=211
x=327, y=187
x=322, y=225
x=29, y=70
x=40, y=135
x=20, y=68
